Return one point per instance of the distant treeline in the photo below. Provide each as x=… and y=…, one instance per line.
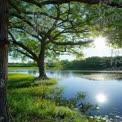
x=21, y=64
x=91, y=63
x=95, y=63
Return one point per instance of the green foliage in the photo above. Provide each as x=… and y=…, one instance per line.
x=114, y=36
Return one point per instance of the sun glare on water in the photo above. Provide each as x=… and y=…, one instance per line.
x=100, y=42
x=101, y=98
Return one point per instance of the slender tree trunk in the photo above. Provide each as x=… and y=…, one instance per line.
x=4, y=116
x=41, y=63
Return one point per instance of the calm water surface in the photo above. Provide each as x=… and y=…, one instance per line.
x=102, y=89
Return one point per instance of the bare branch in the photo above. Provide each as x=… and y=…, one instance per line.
x=56, y=20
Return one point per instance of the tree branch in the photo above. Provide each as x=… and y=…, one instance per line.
x=29, y=23
x=58, y=51
x=14, y=6
x=29, y=12
x=25, y=30
x=91, y=2
x=56, y=21
x=72, y=43
x=24, y=53
x=23, y=46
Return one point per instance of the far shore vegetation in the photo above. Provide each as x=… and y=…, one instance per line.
x=91, y=63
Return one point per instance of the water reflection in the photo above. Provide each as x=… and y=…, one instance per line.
x=101, y=98
x=34, y=72
x=64, y=74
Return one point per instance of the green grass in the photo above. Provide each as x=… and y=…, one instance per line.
x=28, y=102
x=17, y=80
x=20, y=67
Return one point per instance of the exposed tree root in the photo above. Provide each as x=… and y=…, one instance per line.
x=43, y=77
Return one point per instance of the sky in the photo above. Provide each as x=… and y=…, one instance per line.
x=89, y=52
x=99, y=49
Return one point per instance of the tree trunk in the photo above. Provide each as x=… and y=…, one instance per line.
x=4, y=115
x=41, y=63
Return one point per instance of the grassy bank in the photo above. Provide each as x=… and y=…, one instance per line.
x=18, y=67
x=28, y=102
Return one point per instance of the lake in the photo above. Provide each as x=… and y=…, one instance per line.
x=103, y=89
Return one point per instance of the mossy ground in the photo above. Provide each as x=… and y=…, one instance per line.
x=28, y=102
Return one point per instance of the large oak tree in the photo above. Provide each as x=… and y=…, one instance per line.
x=53, y=30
